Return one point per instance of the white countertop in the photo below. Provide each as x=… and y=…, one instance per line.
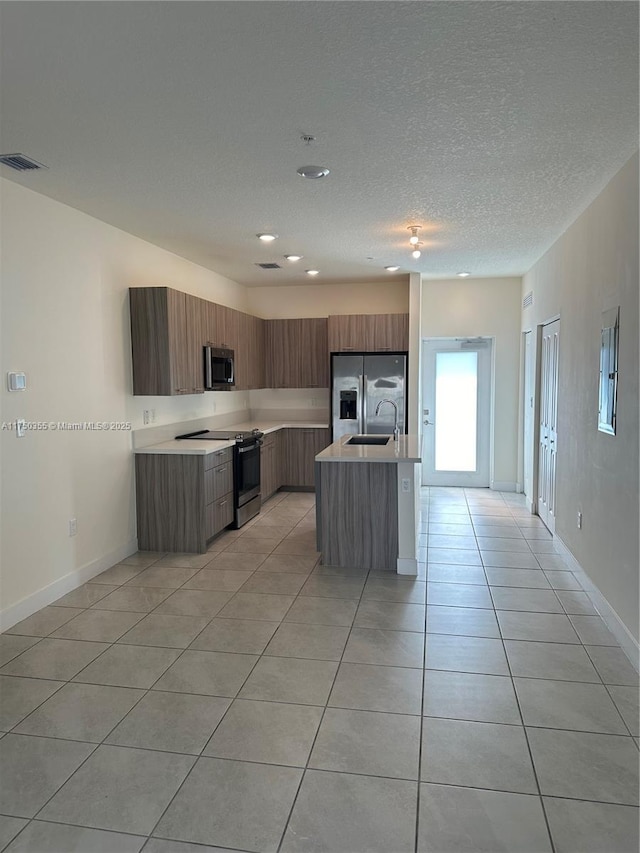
x=196, y=447
x=406, y=449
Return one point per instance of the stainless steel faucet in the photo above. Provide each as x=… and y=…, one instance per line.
x=396, y=428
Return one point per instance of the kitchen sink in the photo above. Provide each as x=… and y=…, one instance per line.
x=369, y=439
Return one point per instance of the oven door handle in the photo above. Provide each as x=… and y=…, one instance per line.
x=254, y=446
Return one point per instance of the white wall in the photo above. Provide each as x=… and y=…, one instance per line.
x=487, y=307
x=320, y=300
x=65, y=322
x=593, y=266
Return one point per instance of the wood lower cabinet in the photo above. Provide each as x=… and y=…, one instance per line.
x=183, y=501
x=300, y=447
x=167, y=334
x=368, y=333
x=269, y=466
x=297, y=353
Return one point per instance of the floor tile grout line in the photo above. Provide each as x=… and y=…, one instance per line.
x=324, y=711
x=200, y=755
x=421, y=727
x=524, y=729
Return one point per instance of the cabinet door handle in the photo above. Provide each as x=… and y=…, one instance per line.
x=222, y=503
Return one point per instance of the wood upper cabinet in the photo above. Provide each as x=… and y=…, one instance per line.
x=256, y=352
x=222, y=325
x=297, y=354
x=301, y=445
x=368, y=332
x=242, y=328
x=167, y=335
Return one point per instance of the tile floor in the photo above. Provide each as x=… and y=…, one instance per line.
x=250, y=699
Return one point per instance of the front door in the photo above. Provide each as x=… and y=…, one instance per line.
x=548, y=444
x=456, y=397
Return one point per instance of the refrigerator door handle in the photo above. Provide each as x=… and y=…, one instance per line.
x=364, y=405
x=360, y=397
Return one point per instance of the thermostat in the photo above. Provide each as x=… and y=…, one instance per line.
x=17, y=381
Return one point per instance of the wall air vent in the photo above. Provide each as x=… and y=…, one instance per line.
x=269, y=266
x=20, y=162
x=527, y=302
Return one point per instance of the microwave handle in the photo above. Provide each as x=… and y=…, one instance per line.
x=232, y=379
x=208, y=377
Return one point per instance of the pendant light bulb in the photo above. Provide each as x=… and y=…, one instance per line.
x=416, y=253
x=414, y=239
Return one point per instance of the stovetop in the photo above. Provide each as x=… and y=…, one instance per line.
x=222, y=435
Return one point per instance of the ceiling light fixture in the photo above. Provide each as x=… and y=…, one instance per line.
x=293, y=257
x=392, y=269
x=416, y=252
x=312, y=272
x=463, y=274
x=267, y=238
x=313, y=172
x=414, y=239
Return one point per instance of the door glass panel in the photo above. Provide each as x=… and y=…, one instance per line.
x=456, y=411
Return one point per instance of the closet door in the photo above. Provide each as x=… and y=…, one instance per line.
x=548, y=443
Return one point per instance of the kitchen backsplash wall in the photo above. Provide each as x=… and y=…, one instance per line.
x=270, y=399
x=169, y=410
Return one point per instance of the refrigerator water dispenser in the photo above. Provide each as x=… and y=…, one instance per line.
x=348, y=405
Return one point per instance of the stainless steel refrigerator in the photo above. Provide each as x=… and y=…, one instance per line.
x=359, y=383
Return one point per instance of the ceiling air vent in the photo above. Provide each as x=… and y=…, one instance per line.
x=20, y=162
x=527, y=302
x=269, y=266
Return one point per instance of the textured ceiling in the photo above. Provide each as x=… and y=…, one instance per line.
x=491, y=124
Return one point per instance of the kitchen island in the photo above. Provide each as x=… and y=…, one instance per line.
x=367, y=504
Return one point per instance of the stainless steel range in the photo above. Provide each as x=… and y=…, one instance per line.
x=246, y=468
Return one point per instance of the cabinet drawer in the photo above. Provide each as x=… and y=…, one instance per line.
x=213, y=460
x=219, y=514
x=217, y=482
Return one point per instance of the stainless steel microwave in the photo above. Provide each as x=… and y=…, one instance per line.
x=218, y=368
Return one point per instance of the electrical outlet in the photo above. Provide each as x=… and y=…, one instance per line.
x=152, y=416
x=313, y=402
x=73, y=526
x=579, y=520
x=406, y=484
x=145, y=416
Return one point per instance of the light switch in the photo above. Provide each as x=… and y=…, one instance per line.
x=17, y=381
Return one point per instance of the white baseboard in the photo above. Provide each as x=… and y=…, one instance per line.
x=614, y=623
x=32, y=603
x=407, y=566
x=503, y=486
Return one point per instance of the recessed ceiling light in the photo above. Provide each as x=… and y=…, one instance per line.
x=267, y=238
x=392, y=269
x=463, y=274
x=312, y=272
x=294, y=257
x=313, y=172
